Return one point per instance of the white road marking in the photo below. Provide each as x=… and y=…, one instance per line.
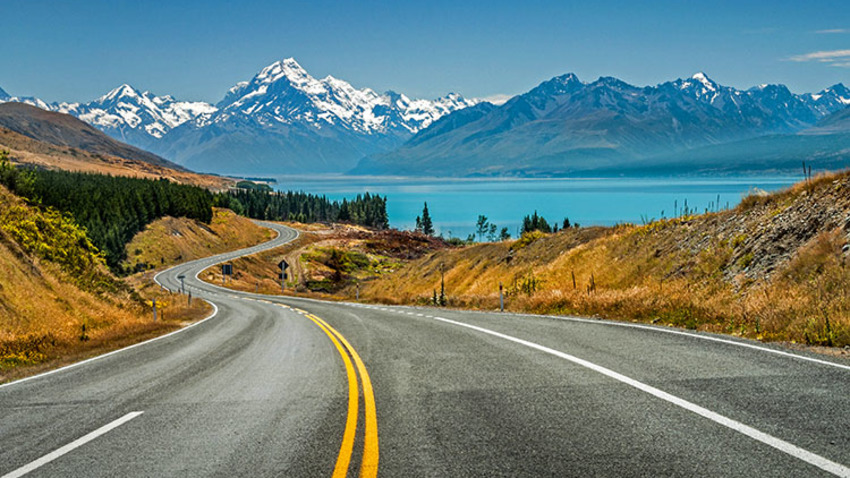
x=779, y=444
x=77, y=364
x=71, y=446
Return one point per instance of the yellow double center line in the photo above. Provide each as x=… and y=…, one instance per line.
x=369, y=462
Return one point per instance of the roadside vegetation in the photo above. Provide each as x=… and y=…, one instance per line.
x=59, y=302
x=110, y=209
x=774, y=268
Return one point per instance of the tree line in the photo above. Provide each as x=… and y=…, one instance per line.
x=112, y=209
x=366, y=210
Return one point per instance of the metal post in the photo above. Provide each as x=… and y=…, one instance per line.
x=189, y=302
x=154, y=309
x=357, y=292
x=182, y=286
x=501, y=298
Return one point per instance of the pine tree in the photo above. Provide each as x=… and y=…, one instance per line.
x=427, y=225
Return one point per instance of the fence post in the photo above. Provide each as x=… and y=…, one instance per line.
x=501, y=298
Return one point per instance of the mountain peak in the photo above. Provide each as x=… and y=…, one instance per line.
x=3, y=95
x=705, y=81
x=288, y=68
x=122, y=91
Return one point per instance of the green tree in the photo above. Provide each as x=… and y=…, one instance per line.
x=482, y=226
x=427, y=224
x=491, y=232
x=504, y=235
x=535, y=223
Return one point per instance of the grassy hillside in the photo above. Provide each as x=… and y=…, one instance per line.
x=168, y=241
x=327, y=261
x=58, y=301
x=774, y=268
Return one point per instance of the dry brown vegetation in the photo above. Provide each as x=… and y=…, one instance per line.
x=25, y=150
x=327, y=261
x=168, y=241
x=49, y=318
x=774, y=268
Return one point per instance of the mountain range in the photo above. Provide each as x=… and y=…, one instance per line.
x=281, y=121
x=567, y=127
x=284, y=121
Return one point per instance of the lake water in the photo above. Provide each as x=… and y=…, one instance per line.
x=455, y=204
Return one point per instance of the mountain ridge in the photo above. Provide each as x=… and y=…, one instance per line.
x=281, y=118
x=565, y=127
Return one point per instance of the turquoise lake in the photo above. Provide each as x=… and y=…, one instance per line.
x=455, y=204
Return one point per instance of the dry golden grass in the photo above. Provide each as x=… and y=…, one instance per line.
x=168, y=241
x=720, y=272
x=46, y=320
x=369, y=254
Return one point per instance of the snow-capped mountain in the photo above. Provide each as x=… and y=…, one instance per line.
x=284, y=92
x=285, y=120
x=564, y=126
x=135, y=117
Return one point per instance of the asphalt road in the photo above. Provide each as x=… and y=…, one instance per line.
x=278, y=386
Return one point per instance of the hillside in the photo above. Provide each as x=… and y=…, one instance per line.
x=773, y=268
x=64, y=130
x=24, y=150
x=58, y=302
x=170, y=240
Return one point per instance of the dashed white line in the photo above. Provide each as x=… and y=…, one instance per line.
x=71, y=446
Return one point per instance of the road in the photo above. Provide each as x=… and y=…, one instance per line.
x=281, y=386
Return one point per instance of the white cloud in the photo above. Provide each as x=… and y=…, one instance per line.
x=832, y=31
x=838, y=58
x=499, y=99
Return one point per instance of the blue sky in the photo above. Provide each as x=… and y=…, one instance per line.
x=196, y=50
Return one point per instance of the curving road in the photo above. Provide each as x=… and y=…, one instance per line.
x=280, y=386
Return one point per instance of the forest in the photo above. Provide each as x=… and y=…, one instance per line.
x=111, y=209
x=366, y=210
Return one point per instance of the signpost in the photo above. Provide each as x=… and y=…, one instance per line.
x=226, y=270
x=182, y=284
x=282, y=265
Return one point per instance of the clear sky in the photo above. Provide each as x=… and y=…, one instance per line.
x=195, y=50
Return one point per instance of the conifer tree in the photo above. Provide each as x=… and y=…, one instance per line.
x=427, y=225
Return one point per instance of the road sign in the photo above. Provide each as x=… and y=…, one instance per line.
x=283, y=265
x=227, y=269
x=281, y=275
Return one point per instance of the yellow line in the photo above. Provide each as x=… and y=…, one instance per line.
x=369, y=465
x=344, y=458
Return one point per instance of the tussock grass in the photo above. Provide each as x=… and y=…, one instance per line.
x=168, y=241
x=771, y=269
x=59, y=303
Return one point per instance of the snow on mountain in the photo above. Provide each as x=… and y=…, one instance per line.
x=125, y=109
x=830, y=100
x=564, y=125
x=284, y=92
